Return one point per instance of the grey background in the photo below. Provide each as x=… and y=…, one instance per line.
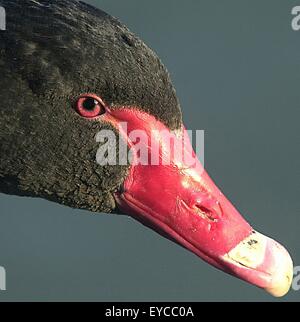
x=236, y=67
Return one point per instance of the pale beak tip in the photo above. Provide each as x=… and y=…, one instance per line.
x=283, y=276
x=263, y=262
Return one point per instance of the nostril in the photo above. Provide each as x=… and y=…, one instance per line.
x=209, y=209
x=205, y=205
x=203, y=208
x=206, y=213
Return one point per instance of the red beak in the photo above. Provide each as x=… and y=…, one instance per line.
x=181, y=202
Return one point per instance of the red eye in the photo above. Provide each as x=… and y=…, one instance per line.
x=89, y=106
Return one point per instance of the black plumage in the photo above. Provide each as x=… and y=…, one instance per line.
x=51, y=52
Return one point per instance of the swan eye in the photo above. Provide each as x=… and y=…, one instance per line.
x=89, y=106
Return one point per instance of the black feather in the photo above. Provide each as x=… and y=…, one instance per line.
x=51, y=52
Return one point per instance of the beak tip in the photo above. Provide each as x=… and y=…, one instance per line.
x=283, y=275
x=263, y=262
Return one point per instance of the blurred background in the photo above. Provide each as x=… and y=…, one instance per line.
x=236, y=67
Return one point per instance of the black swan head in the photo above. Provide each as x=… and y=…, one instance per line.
x=70, y=71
